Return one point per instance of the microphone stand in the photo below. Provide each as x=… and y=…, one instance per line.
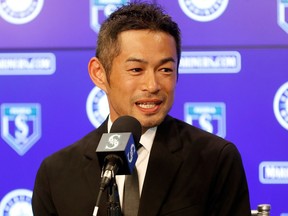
x=114, y=208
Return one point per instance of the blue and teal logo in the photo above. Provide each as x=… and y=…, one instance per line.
x=21, y=125
x=101, y=9
x=210, y=117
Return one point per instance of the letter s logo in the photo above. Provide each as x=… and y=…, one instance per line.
x=131, y=153
x=113, y=142
x=22, y=131
x=205, y=122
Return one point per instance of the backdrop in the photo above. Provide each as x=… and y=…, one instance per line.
x=233, y=82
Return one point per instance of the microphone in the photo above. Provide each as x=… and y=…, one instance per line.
x=117, y=153
x=117, y=150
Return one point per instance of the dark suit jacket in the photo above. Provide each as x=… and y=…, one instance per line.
x=190, y=173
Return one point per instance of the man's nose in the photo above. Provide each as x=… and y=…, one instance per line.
x=151, y=82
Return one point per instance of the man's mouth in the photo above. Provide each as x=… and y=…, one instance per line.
x=149, y=105
x=146, y=105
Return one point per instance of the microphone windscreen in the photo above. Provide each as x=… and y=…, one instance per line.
x=127, y=124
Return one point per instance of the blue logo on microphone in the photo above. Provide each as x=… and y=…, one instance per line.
x=131, y=153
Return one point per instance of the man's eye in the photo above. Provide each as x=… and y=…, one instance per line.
x=166, y=70
x=136, y=69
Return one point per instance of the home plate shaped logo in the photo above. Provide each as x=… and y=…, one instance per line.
x=21, y=125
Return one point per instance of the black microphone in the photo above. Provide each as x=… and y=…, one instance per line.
x=117, y=150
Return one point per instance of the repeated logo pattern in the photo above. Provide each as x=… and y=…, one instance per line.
x=20, y=11
x=203, y=11
x=17, y=202
x=208, y=116
x=101, y=9
x=21, y=125
x=280, y=105
x=97, y=107
x=282, y=7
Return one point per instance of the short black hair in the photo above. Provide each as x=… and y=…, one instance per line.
x=133, y=16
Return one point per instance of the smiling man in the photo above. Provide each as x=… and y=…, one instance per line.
x=143, y=76
x=181, y=169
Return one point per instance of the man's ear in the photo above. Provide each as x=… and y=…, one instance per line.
x=97, y=73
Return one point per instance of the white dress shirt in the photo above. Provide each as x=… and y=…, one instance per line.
x=142, y=161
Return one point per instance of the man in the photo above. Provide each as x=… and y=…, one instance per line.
x=182, y=170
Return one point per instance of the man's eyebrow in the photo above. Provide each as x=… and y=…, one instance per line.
x=169, y=59
x=132, y=59
x=162, y=61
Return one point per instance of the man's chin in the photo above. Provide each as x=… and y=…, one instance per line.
x=151, y=122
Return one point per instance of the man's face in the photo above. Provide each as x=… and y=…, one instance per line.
x=143, y=77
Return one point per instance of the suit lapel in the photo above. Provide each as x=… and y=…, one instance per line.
x=164, y=163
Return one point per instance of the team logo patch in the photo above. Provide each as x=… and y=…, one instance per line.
x=203, y=11
x=17, y=202
x=101, y=9
x=97, y=107
x=207, y=116
x=282, y=8
x=21, y=125
x=280, y=105
x=20, y=11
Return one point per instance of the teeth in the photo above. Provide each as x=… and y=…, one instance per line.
x=147, y=105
